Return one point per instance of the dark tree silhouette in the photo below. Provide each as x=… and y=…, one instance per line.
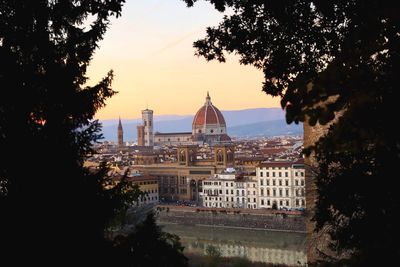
x=325, y=58
x=148, y=245
x=53, y=211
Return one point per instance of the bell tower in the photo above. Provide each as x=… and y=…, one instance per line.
x=120, y=134
x=147, y=120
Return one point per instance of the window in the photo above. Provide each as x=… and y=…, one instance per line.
x=262, y=201
x=297, y=202
x=287, y=202
x=268, y=203
x=226, y=184
x=254, y=185
x=199, y=131
x=273, y=182
x=211, y=131
x=280, y=174
x=227, y=191
x=280, y=182
x=248, y=200
x=296, y=182
x=273, y=174
x=267, y=182
x=287, y=182
x=267, y=192
x=280, y=203
x=287, y=192
x=280, y=192
x=302, y=202
x=254, y=200
x=262, y=191
x=267, y=174
x=302, y=173
x=274, y=192
x=261, y=174
x=302, y=182
x=220, y=191
x=286, y=174
x=232, y=191
x=261, y=182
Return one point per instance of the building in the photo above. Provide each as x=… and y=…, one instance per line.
x=182, y=178
x=274, y=185
x=140, y=135
x=171, y=139
x=281, y=185
x=145, y=135
x=208, y=127
x=147, y=117
x=120, y=134
x=148, y=185
x=230, y=189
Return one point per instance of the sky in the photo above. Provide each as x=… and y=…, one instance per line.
x=150, y=49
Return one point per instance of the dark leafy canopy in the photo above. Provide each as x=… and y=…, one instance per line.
x=324, y=57
x=50, y=205
x=53, y=211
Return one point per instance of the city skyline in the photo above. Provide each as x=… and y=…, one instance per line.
x=150, y=49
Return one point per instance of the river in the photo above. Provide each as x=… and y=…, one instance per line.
x=287, y=248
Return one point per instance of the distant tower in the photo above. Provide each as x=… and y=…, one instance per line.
x=120, y=134
x=140, y=135
x=147, y=119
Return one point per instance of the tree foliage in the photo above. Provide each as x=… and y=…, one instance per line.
x=53, y=210
x=148, y=245
x=325, y=58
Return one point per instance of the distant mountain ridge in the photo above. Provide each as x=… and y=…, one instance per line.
x=240, y=123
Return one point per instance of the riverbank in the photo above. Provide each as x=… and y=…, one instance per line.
x=271, y=220
x=251, y=246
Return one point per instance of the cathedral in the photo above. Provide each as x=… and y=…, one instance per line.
x=208, y=127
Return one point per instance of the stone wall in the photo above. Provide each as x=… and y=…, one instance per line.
x=279, y=220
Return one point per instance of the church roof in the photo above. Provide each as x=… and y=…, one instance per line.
x=208, y=114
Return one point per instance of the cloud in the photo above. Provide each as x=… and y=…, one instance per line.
x=177, y=41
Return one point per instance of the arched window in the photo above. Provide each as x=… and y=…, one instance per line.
x=220, y=156
x=230, y=156
x=182, y=156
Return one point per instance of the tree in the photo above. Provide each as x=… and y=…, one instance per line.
x=331, y=62
x=53, y=210
x=148, y=245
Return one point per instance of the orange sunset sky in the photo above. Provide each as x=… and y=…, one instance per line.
x=150, y=49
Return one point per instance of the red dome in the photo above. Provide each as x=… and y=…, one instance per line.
x=208, y=114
